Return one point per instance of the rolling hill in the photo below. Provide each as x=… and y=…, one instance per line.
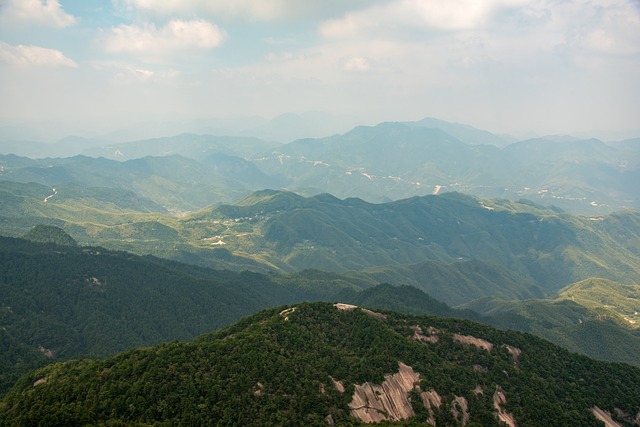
x=495, y=247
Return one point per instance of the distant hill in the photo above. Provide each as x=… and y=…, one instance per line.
x=189, y=145
x=177, y=183
x=391, y=161
x=324, y=364
x=465, y=133
x=316, y=153
x=490, y=247
x=595, y=316
x=59, y=302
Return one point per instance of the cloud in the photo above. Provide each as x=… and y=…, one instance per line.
x=174, y=37
x=252, y=9
x=46, y=13
x=434, y=14
x=356, y=63
x=33, y=56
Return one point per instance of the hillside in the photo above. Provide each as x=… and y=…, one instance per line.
x=596, y=317
x=60, y=302
x=319, y=364
x=542, y=246
x=174, y=182
x=491, y=247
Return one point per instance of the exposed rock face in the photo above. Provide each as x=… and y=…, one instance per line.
x=351, y=307
x=47, y=352
x=40, y=381
x=460, y=410
x=344, y=307
x=374, y=314
x=605, y=417
x=515, y=353
x=419, y=335
x=338, y=385
x=499, y=399
x=389, y=401
x=431, y=400
x=468, y=339
x=258, y=389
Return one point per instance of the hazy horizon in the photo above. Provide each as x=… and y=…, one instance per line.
x=507, y=66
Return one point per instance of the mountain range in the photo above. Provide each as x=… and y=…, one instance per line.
x=126, y=253
x=389, y=161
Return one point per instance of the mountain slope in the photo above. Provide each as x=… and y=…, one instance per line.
x=596, y=317
x=494, y=247
x=319, y=364
x=58, y=302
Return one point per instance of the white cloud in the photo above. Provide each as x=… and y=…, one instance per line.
x=252, y=9
x=356, y=63
x=33, y=56
x=434, y=14
x=176, y=36
x=47, y=13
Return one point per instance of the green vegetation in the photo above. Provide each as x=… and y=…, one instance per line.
x=278, y=368
x=595, y=317
x=501, y=248
x=50, y=234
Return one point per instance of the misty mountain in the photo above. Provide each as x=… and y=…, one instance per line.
x=465, y=133
x=397, y=160
x=178, y=183
x=313, y=124
x=187, y=145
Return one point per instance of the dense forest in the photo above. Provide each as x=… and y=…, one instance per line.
x=304, y=365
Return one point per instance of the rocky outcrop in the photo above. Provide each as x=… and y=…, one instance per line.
x=500, y=399
x=431, y=335
x=388, y=401
x=515, y=352
x=337, y=385
x=351, y=307
x=460, y=410
x=605, y=417
x=470, y=340
x=431, y=401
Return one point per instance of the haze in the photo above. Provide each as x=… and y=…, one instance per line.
x=547, y=66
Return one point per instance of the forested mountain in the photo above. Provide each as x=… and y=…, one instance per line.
x=324, y=364
x=64, y=301
x=61, y=302
x=495, y=247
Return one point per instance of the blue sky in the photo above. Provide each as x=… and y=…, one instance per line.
x=547, y=66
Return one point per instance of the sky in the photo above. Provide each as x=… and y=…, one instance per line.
x=512, y=66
